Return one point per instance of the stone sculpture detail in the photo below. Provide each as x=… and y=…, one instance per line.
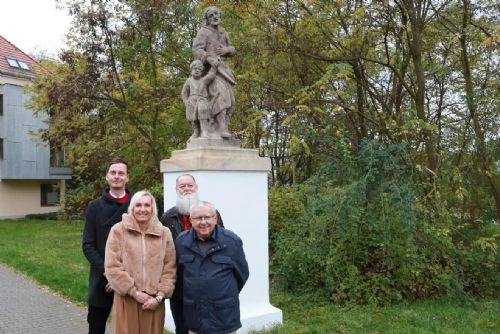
x=208, y=93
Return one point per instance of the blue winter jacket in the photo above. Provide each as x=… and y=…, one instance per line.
x=212, y=283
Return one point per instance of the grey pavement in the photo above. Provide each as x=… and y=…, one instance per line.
x=27, y=308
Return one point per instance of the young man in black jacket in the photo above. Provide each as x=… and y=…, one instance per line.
x=102, y=213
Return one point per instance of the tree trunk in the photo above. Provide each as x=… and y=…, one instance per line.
x=415, y=15
x=485, y=161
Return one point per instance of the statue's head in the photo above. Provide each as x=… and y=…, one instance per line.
x=196, y=68
x=212, y=15
x=197, y=63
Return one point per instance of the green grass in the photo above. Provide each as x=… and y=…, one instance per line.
x=431, y=316
x=50, y=252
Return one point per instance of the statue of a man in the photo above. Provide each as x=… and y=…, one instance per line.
x=212, y=47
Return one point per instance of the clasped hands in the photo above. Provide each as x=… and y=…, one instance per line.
x=148, y=302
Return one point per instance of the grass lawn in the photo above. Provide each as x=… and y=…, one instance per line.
x=50, y=253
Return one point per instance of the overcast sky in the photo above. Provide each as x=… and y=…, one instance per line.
x=34, y=25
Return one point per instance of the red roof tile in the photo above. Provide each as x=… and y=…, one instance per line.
x=9, y=50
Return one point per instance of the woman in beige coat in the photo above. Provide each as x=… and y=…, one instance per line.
x=140, y=266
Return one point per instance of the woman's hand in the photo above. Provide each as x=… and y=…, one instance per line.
x=151, y=304
x=141, y=297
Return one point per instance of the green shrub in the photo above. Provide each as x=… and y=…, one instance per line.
x=76, y=203
x=286, y=205
x=367, y=234
x=43, y=216
x=477, y=248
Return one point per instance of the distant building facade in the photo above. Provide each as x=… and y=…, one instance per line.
x=32, y=174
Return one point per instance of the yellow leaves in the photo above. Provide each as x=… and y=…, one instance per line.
x=298, y=145
x=487, y=243
x=491, y=40
x=336, y=109
x=289, y=120
x=454, y=38
x=303, y=108
x=359, y=13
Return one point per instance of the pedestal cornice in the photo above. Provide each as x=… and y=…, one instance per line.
x=215, y=158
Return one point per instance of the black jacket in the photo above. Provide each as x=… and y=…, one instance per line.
x=102, y=213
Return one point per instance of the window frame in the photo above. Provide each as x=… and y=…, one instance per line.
x=20, y=64
x=45, y=190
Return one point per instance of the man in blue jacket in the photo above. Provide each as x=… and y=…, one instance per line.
x=102, y=213
x=212, y=263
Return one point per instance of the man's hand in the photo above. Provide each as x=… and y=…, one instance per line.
x=108, y=288
x=221, y=51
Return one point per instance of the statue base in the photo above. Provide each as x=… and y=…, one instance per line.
x=212, y=142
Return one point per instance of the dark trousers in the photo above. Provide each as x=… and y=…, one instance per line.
x=96, y=318
x=178, y=314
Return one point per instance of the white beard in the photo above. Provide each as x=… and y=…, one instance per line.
x=185, y=202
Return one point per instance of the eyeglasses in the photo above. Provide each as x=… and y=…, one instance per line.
x=201, y=218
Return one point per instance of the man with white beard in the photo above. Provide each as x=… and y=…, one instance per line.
x=177, y=220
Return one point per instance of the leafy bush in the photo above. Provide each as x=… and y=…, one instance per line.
x=286, y=205
x=76, y=203
x=42, y=216
x=477, y=244
x=367, y=234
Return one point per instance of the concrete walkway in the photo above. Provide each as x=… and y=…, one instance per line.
x=27, y=308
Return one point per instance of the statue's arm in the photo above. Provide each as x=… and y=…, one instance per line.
x=186, y=90
x=210, y=76
x=230, y=50
x=199, y=46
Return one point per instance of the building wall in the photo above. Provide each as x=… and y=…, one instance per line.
x=20, y=198
x=26, y=157
x=25, y=163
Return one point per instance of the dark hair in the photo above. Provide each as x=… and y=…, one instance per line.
x=117, y=161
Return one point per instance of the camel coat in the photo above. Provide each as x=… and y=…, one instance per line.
x=139, y=261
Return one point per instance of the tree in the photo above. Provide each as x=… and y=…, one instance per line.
x=484, y=159
x=116, y=90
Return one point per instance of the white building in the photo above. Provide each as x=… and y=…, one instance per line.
x=32, y=175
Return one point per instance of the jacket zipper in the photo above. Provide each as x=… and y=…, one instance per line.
x=143, y=259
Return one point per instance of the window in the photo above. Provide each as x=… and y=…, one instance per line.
x=49, y=194
x=23, y=65
x=18, y=64
x=12, y=62
x=1, y=148
x=1, y=104
x=56, y=155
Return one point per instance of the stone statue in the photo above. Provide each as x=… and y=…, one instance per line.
x=211, y=46
x=199, y=106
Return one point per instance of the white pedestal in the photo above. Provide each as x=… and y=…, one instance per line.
x=235, y=181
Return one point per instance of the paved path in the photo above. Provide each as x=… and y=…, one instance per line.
x=26, y=308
